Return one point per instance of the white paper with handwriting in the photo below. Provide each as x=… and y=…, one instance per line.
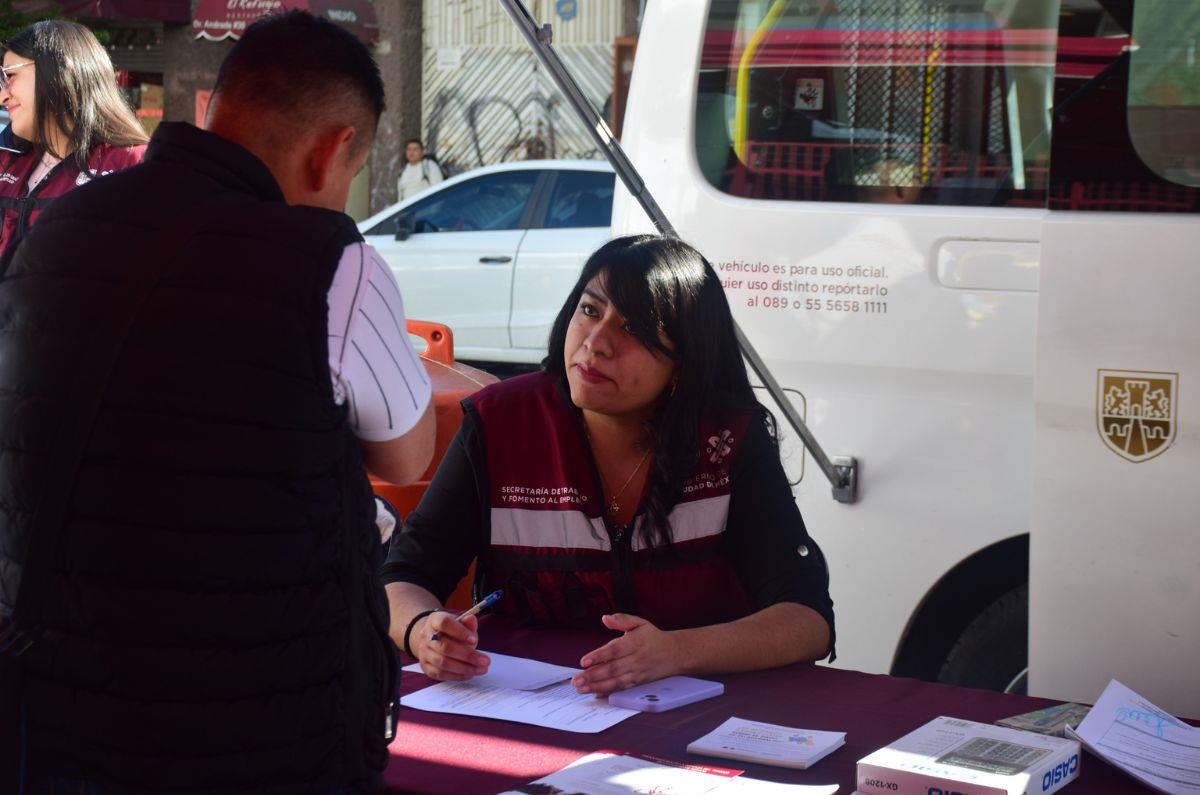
x=555, y=706
x=1149, y=744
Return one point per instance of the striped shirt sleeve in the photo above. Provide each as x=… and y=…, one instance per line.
x=371, y=357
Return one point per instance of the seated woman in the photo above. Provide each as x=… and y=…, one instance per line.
x=634, y=482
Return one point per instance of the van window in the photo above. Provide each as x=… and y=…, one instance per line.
x=931, y=101
x=1121, y=141
x=1164, y=88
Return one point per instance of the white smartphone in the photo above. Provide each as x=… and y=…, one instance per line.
x=665, y=694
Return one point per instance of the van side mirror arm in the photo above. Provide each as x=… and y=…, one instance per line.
x=841, y=472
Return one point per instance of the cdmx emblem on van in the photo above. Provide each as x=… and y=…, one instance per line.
x=1136, y=412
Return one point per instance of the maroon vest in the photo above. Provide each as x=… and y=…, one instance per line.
x=551, y=546
x=19, y=207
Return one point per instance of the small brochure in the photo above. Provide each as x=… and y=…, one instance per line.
x=768, y=744
x=1052, y=720
x=1151, y=745
x=962, y=756
x=612, y=773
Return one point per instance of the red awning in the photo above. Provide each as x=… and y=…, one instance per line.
x=222, y=19
x=158, y=10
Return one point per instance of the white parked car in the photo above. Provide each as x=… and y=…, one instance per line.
x=493, y=253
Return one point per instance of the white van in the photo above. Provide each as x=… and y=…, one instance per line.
x=963, y=235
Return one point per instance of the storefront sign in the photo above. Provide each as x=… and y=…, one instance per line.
x=160, y=10
x=223, y=19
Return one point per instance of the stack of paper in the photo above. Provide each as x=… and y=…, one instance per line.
x=1149, y=744
x=522, y=691
x=766, y=743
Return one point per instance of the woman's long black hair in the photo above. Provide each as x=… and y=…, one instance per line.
x=76, y=89
x=663, y=283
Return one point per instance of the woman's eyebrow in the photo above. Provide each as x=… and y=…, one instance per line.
x=595, y=296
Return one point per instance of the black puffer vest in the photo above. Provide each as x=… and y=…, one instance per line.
x=215, y=621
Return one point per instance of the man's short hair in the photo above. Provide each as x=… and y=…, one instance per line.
x=302, y=69
x=416, y=141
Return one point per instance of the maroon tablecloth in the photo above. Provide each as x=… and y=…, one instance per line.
x=437, y=753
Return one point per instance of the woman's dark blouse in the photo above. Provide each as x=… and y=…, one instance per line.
x=765, y=540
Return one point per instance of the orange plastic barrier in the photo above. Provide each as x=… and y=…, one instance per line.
x=451, y=383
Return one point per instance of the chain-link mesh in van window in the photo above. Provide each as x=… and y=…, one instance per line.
x=891, y=119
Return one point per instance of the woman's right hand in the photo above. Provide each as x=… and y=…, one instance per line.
x=452, y=656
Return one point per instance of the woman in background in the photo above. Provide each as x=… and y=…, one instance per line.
x=69, y=121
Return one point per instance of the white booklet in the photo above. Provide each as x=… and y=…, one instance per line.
x=1149, y=744
x=610, y=773
x=768, y=744
x=517, y=673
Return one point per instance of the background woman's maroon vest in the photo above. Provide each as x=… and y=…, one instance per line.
x=20, y=207
x=550, y=545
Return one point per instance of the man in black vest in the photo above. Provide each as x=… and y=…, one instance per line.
x=197, y=358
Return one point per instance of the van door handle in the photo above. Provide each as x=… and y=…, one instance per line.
x=497, y=259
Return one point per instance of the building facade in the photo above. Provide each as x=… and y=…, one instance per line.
x=486, y=99
x=457, y=72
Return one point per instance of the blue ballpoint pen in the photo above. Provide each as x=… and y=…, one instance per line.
x=487, y=602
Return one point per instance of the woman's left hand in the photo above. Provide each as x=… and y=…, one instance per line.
x=643, y=654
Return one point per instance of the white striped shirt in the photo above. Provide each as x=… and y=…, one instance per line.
x=371, y=357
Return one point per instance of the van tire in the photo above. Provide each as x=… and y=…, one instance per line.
x=994, y=648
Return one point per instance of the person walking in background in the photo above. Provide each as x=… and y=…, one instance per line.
x=200, y=355
x=420, y=172
x=69, y=120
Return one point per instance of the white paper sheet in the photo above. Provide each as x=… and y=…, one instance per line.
x=518, y=673
x=618, y=774
x=1129, y=732
x=555, y=707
